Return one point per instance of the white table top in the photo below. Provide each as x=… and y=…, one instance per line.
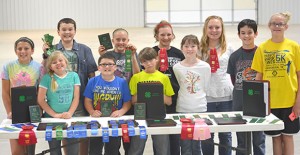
x=154, y=130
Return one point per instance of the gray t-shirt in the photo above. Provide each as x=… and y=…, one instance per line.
x=120, y=62
x=239, y=67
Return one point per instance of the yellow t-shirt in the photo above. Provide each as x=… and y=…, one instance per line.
x=156, y=76
x=279, y=62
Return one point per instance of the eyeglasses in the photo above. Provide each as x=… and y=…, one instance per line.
x=105, y=65
x=277, y=24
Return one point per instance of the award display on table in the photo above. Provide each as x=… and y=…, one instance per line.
x=43, y=126
x=140, y=111
x=161, y=123
x=105, y=40
x=229, y=120
x=119, y=123
x=48, y=39
x=35, y=114
x=21, y=99
x=256, y=98
x=152, y=94
x=86, y=123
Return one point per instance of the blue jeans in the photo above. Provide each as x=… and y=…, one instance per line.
x=190, y=147
x=225, y=138
x=110, y=148
x=174, y=144
x=160, y=143
x=71, y=149
x=258, y=142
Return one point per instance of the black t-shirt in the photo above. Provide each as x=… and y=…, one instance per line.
x=174, y=56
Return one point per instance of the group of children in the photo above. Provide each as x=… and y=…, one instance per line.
x=202, y=76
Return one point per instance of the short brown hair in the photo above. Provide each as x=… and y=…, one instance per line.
x=67, y=21
x=147, y=53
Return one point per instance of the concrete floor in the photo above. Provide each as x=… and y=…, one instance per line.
x=140, y=37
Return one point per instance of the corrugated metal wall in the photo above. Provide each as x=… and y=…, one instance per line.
x=44, y=14
x=266, y=8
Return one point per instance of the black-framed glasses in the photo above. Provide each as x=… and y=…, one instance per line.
x=277, y=24
x=105, y=65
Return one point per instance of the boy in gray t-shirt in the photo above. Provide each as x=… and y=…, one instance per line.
x=239, y=68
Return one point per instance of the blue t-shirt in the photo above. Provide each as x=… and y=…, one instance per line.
x=116, y=91
x=61, y=99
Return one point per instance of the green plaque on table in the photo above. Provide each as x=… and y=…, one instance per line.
x=140, y=111
x=105, y=40
x=106, y=108
x=34, y=112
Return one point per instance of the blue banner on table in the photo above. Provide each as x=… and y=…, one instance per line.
x=143, y=132
x=48, y=133
x=105, y=135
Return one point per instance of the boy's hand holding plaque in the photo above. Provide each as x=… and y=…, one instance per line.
x=105, y=40
x=48, y=39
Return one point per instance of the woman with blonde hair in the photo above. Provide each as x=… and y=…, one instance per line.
x=215, y=51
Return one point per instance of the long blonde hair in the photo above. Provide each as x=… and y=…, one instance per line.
x=54, y=56
x=204, y=55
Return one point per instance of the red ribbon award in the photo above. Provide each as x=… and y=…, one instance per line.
x=125, y=133
x=27, y=136
x=213, y=60
x=187, y=129
x=163, y=64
